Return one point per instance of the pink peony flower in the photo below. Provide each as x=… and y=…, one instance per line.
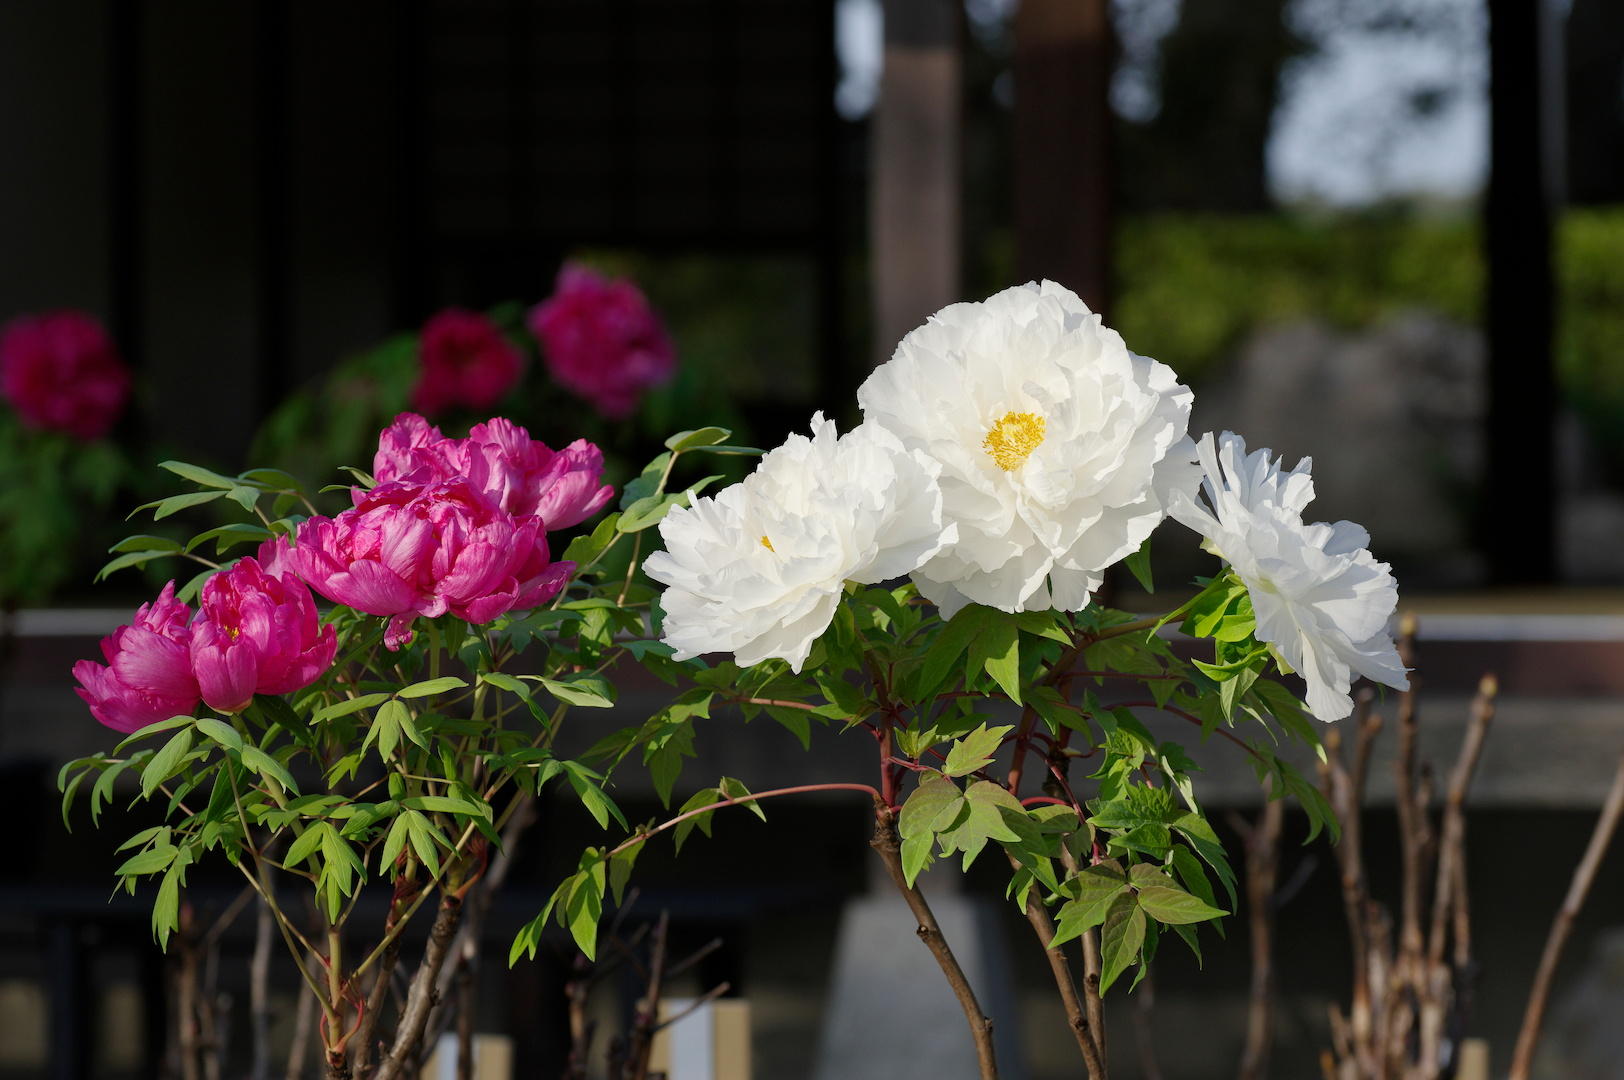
x=499, y=459
x=148, y=676
x=464, y=360
x=257, y=633
x=602, y=340
x=61, y=372
x=407, y=549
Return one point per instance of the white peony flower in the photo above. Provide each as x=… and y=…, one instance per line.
x=1059, y=448
x=758, y=569
x=1321, y=599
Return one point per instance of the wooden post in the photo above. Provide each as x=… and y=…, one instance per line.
x=1519, y=317
x=1063, y=51
x=915, y=188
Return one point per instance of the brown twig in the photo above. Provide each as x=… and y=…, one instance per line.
x=420, y=999
x=887, y=845
x=1077, y=1017
x=1262, y=872
x=1583, y=877
x=647, y=1015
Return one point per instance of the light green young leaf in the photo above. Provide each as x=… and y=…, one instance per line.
x=166, y=762
x=693, y=440
x=975, y=751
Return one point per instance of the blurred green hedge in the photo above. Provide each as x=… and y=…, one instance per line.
x=1191, y=287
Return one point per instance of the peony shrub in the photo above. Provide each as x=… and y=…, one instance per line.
x=929, y=578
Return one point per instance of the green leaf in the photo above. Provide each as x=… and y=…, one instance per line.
x=423, y=836
x=934, y=795
x=228, y=536
x=146, y=543
x=163, y=508
x=430, y=687
x=997, y=649
x=646, y=483
x=985, y=821
x=585, y=549
x=166, y=907
x=1139, y=564
x=701, y=799
x=258, y=761
x=584, y=906
x=395, y=842
x=446, y=804
x=693, y=440
x=1120, y=939
x=916, y=856
x=134, y=558
x=738, y=451
x=221, y=732
x=620, y=869
x=587, y=691
x=798, y=721
x=306, y=844
x=949, y=645
x=599, y=805
x=648, y=512
x=1164, y=901
x=386, y=728
x=975, y=751
x=346, y=707
x=149, y=861
x=166, y=762
x=735, y=789
x=199, y=475
x=1094, y=890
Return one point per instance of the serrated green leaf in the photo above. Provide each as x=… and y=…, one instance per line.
x=975, y=751
x=1121, y=937
x=935, y=794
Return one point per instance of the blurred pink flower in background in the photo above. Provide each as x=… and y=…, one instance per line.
x=61, y=372
x=148, y=676
x=463, y=360
x=408, y=549
x=601, y=340
x=523, y=476
x=256, y=633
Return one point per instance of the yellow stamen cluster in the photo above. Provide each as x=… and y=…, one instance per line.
x=1012, y=440
x=766, y=543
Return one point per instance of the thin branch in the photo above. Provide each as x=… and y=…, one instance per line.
x=415, y=1017
x=1076, y=1015
x=1578, y=889
x=740, y=801
x=887, y=845
x=1452, y=846
x=1262, y=874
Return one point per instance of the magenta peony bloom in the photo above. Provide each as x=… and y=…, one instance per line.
x=464, y=360
x=148, y=675
x=499, y=458
x=257, y=633
x=602, y=340
x=61, y=372
x=408, y=549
